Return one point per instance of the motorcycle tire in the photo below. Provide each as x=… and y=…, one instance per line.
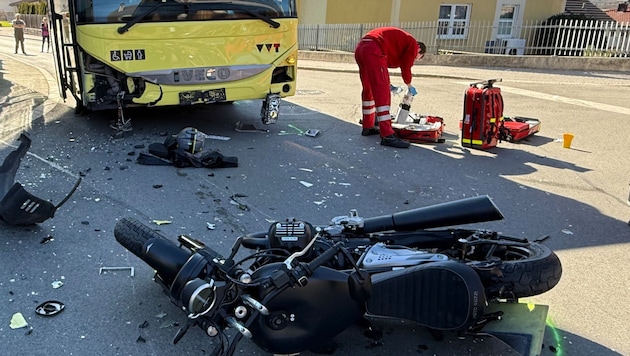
x=527, y=271
x=164, y=256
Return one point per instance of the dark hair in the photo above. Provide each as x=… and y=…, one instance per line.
x=422, y=47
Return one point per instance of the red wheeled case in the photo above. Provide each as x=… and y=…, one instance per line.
x=517, y=128
x=483, y=115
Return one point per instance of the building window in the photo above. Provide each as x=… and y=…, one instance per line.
x=506, y=21
x=453, y=21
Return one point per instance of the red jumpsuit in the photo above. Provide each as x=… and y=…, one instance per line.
x=379, y=49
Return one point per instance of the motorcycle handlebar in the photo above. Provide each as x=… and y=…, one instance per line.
x=324, y=257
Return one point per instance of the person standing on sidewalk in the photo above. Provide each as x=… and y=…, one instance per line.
x=45, y=34
x=18, y=31
x=380, y=49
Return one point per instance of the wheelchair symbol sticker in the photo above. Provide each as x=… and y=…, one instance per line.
x=115, y=56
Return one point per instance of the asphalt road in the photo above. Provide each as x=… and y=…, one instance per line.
x=576, y=195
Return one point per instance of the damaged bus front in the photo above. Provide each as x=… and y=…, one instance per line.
x=176, y=52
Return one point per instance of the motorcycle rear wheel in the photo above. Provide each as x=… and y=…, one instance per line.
x=525, y=272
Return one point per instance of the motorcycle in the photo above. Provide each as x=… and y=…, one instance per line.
x=300, y=285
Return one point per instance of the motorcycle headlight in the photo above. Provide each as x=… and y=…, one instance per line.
x=199, y=296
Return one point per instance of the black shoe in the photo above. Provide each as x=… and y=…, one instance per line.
x=393, y=141
x=370, y=132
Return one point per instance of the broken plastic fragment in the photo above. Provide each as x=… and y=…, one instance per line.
x=306, y=184
x=162, y=222
x=57, y=284
x=17, y=206
x=211, y=226
x=50, y=308
x=18, y=321
x=568, y=232
x=161, y=315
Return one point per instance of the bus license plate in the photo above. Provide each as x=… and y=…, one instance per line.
x=202, y=96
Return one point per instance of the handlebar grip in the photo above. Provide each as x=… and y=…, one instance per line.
x=324, y=257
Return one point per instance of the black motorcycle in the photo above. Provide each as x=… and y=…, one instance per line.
x=301, y=285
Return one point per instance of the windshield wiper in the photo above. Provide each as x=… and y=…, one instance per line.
x=268, y=20
x=135, y=20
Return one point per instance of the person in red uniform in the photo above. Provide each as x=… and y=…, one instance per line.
x=378, y=50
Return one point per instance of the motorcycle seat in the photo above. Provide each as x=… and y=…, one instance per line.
x=445, y=295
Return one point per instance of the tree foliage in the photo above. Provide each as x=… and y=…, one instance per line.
x=35, y=8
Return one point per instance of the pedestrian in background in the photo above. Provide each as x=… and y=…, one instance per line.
x=18, y=32
x=45, y=34
x=65, y=22
x=380, y=49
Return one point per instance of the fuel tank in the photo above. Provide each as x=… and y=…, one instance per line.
x=301, y=318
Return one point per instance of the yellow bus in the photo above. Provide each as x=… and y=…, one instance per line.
x=128, y=53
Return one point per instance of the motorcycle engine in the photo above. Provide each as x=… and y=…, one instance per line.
x=291, y=235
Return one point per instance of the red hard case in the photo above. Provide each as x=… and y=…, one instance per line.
x=419, y=129
x=518, y=128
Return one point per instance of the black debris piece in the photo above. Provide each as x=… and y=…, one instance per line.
x=47, y=239
x=145, y=324
x=182, y=152
x=140, y=339
x=17, y=206
x=49, y=308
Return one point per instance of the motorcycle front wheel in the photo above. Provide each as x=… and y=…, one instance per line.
x=152, y=247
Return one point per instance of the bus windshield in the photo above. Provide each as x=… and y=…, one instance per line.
x=138, y=11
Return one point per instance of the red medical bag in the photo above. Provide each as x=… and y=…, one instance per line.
x=483, y=115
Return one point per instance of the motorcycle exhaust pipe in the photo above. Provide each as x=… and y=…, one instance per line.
x=459, y=212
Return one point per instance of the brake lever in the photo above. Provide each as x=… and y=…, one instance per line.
x=289, y=261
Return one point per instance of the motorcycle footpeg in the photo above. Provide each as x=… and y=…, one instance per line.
x=442, y=295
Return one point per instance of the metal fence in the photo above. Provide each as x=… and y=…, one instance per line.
x=558, y=38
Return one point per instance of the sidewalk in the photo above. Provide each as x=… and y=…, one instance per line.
x=28, y=84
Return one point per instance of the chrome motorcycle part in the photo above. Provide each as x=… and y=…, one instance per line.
x=238, y=326
x=240, y=312
x=255, y=304
x=380, y=256
x=200, y=296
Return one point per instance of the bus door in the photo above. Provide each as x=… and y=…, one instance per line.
x=66, y=54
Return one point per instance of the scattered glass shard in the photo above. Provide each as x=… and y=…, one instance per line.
x=57, y=284
x=306, y=184
x=18, y=321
